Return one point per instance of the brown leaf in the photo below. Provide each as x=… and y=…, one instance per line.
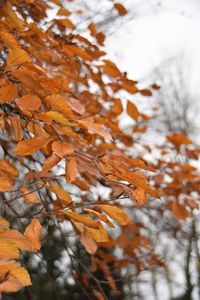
x=132, y=110
x=6, y=183
x=94, y=128
x=50, y=162
x=178, y=139
x=92, y=29
x=17, y=56
x=29, y=196
x=62, y=149
x=89, y=244
x=8, y=93
x=32, y=234
x=18, y=276
x=100, y=37
x=116, y=213
x=138, y=195
x=59, y=103
x=120, y=8
x=84, y=219
x=179, y=211
x=61, y=193
x=17, y=128
x=8, y=168
x=146, y=92
x=28, y=147
x=29, y=102
x=71, y=169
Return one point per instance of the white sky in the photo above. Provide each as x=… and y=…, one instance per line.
x=142, y=43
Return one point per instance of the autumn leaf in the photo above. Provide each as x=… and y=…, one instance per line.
x=8, y=93
x=54, y=116
x=62, y=149
x=99, y=234
x=178, y=139
x=59, y=103
x=14, y=240
x=29, y=102
x=17, y=56
x=16, y=128
x=61, y=193
x=110, y=68
x=71, y=169
x=9, y=39
x=120, y=8
x=18, y=276
x=146, y=92
x=116, y=213
x=100, y=37
x=8, y=168
x=6, y=183
x=4, y=223
x=138, y=195
x=84, y=219
x=99, y=216
x=30, y=146
x=8, y=250
x=92, y=29
x=94, y=128
x=50, y=162
x=132, y=110
x=32, y=234
x=29, y=196
x=179, y=211
x=89, y=244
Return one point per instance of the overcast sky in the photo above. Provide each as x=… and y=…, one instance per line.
x=143, y=42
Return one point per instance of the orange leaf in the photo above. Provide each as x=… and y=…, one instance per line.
x=116, y=213
x=178, y=139
x=179, y=211
x=8, y=168
x=138, y=195
x=29, y=196
x=146, y=92
x=28, y=147
x=89, y=244
x=100, y=37
x=8, y=250
x=4, y=223
x=132, y=110
x=16, y=127
x=8, y=93
x=18, y=276
x=62, y=149
x=71, y=169
x=32, y=234
x=50, y=162
x=9, y=39
x=6, y=183
x=84, y=219
x=17, y=56
x=100, y=216
x=98, y=234
x=110, y=68
x=120, y=8
x=63, y=12
x=61, y=193
x=15, y=238
x=92, y=29
x=94, y=128
x=29, y=102
x=59, y=103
